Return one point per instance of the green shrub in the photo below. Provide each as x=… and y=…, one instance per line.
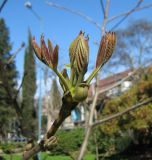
x=9, y=147
x=121, y=143
x=68, y=141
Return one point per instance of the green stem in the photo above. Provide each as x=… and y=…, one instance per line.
x=80, y=79
x=72, y=77
x=92, y=75
x=66, y=85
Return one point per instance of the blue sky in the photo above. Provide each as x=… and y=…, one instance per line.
x=60, y=26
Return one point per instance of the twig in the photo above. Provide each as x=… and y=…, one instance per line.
x=3, y=4
x=88, y=131
x=96, y=144
x=120, y=82
x=105, y=17
x=131, y=11
x=127, y=12
x=35, y=14
x=89, y=125
x=78, y=13
x=102, y=6
x=122, y=113
x=91, y=20
x=15, y=53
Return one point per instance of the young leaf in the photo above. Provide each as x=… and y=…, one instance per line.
x=44, y=51
x=79, y=53
x=55, y=57
x=36, y=48
x=106, y=48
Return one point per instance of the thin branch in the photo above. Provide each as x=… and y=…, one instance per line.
x=128, y=12
x=35, y=14
x=15, y=53
x=105, y=17
x=90, y=121
x=119, y=82
x=88, y=131
x=2, y=5
x=102, y=7
x=122, y=113
x=96, y=145
x=91, y=20
x=131, y=11
x=90, y=124
x=78, y=13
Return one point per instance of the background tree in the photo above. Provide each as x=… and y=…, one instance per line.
x=53, y=102
x=28, y=92
x=6, y=110
x=132, y=129
x=134, y=45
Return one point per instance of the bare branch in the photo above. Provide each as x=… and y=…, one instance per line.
x=91, y=20
x=105, y=17
x=102, y=6
x=128, y=12
x=2, y=5
x=15, y=53
x=131, y=11
x=89, y=125
x=120, y=82
x=78, y=13
x=88, y=131
x=122, y=113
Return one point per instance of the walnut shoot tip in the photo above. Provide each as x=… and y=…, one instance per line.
x=106, y=48
x=79, y=53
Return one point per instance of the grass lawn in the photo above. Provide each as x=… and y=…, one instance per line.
x=12, y=157
x=45, y=156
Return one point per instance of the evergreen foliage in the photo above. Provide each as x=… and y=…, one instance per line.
x=133, y=128
x=69, y=141
x=6, y=110
x=28, y=92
